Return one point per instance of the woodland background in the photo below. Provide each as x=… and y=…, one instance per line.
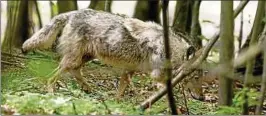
x=23, y=77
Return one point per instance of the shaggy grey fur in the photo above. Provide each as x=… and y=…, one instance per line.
x=120, y=41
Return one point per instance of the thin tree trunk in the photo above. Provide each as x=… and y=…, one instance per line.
x=226, y=52
x=108, y=4
x=195, y=25
x=183, y=15
x=168, y=66
x=38, y=13
x=263, y=83
x=253, y=41
x=241, y=31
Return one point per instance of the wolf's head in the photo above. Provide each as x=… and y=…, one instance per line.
x=180, y=45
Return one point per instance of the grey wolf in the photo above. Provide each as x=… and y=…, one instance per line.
x=122, y=42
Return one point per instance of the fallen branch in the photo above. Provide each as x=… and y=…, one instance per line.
x=9, y=63
x=13, y=55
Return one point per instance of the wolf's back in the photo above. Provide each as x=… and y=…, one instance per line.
x=46, y=36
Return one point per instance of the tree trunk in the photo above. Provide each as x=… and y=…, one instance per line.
x=93, y=4
x=253, y=40
x=226, y=53
x=195, y=25
x=108, y=4
x=66, y=5
x=38, y=13
x=183, y=16
x=17, y=25
x=263, y=83
x=241, y=31
x=98, y=5
x=147, y=10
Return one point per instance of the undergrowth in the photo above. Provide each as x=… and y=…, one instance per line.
x=23, y=92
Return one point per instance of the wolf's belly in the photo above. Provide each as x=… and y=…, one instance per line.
x=126, y=64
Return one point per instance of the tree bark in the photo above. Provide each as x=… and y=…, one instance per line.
x=263, y=82
x=97, y=5
x=17, y=25
x=226, y=53
x=253, y=41
x=38, y=14
x=66, y=5
x=195, y=25
x=108, y=4
x=183, y=15
x=147, y=10
x=168, y=66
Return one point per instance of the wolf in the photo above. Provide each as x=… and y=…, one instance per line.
x=120, y=41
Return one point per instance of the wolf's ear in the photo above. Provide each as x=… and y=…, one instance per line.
x=134, y=25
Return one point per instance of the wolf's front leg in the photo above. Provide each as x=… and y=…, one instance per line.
x=123, y=83
x=81, y=80
x=52, y=80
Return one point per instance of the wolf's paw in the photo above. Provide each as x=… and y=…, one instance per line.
x=86, y=88
x=50, y=88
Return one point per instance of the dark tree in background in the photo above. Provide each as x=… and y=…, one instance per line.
x=147, y=10
x=256, y=30
x=195, y=29
x=183, y=15
x=66, y=5
x=186, y=19
x=100, y=5
x=18, y=25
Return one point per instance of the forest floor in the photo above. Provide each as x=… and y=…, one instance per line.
x=23, y=81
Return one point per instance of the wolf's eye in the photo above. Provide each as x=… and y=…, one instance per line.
x=190, y=52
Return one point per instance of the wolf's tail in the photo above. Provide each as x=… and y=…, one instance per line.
x=46, y=36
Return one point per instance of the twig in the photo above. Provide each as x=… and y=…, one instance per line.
x=18, y=56
x=9, y=63
x=240, y=7
x=13, y=55
x=240, y=32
